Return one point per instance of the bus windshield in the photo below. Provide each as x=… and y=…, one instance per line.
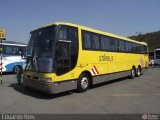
x=158, y=52
x=40, y=48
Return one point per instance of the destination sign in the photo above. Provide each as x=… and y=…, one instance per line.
x=2, y=33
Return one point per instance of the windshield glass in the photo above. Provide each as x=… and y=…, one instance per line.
x=40, y=46
x=157, y=52
x=41, y=41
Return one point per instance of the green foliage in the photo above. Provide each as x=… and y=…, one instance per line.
x=152, y=39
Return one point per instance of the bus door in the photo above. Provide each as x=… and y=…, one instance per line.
x=66, y=50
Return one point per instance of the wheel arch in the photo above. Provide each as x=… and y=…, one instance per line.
x=89, y=75
x=14, y=67
x=139, y=66
x=134, y=66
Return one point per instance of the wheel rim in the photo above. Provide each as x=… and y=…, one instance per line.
x=16, y=69
x=84, y=82
x=138, y=72
x=133, y=72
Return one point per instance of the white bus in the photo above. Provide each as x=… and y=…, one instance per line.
x=12, y=56
x=157, y=56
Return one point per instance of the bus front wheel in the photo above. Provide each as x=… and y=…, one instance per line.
x=83, y=83
x=16, y=68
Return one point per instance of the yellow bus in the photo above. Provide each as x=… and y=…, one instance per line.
x=63, y=56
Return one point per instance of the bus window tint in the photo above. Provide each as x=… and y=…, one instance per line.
x=145, y=49
x=86, y=40
x=142, y=49
x=15, y=50
x=95, y=40
x=74, y=46
x=138, y=48
x=113, y=46
x=8, y=50
x=107, y=43
x=157, y=52
x=135, y=48
x=121, y=45
x=31, y=43
x=104, y=43
x=128, y=47
x=63, y=33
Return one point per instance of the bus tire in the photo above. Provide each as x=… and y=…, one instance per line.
x=138, y=73
x=133, y=73
x=83, y=83
x=17, y=68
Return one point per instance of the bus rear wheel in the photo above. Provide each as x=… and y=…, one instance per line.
x=133, y=73
x=83, y=83
x=138, y=73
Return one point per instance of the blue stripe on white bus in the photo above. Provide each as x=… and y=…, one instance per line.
x=10, y=67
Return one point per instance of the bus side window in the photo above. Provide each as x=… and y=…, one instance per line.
x=9, y=50
x=112, y=44
x=62, y=55
x=121, y=46
x=66, y=49
x=63, y=47
x=15, y=51
x=129, y=47
x=86, y=40
x=74, y=46
x=96, y=42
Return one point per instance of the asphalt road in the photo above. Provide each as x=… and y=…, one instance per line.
x=131, y=96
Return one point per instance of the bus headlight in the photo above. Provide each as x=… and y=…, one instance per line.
x=46, y=79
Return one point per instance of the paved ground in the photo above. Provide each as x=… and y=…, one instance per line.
x=139, y=95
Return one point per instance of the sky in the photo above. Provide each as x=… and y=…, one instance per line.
x=122, y=17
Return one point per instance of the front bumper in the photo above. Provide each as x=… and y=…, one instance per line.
x=50, y=87
x=38, y=85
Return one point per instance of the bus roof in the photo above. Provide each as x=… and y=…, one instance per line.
x=157, y=49
x=92, y=30
x=13, y=43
